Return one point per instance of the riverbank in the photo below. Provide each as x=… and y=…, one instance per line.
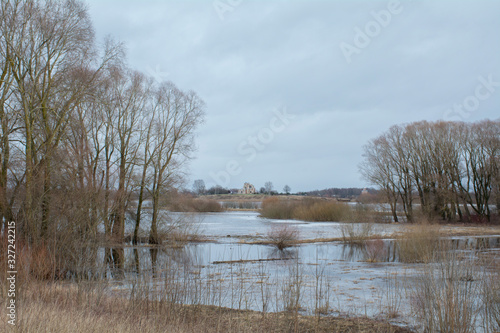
x=75, y=308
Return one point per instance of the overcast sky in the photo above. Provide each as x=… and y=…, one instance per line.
x=294, y=89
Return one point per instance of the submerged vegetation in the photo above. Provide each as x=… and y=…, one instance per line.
x=86, y=308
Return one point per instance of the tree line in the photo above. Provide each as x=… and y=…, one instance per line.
x=80, y=130
x=335, y=192
x=450, y=169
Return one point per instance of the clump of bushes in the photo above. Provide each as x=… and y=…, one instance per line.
x=274, y=208
x=206, y=205
x=187, y=203
x=283, y=235
x=419, y=244
x=319, y=210
x=308, y=209
x=446, y=295
x=356, y=234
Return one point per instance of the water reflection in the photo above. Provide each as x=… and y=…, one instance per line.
x=288, y=253
x=120, y=262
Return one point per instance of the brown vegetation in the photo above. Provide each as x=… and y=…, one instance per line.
x=450, y=168
x=174, y=305
x=82, y=308
x=314, y=209
x=420, y=244
x=188, y=203
x=446, y=296
x=283, y=235
x=76, y=146
x=356, y=234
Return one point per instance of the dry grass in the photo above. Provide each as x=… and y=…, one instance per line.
x=420, y=244
x=56, y=308
x=274, y=208
x=491, y=299
x=241, y=205
x=315, y=209
x=283, y=235
x=187, y=203
x=446, y=296
x=356, y=234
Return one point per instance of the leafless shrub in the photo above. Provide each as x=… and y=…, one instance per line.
x=445, y=295
x=375, y=250
x=356, y=233
x=283, y=235
x=420, y=243
x=292, y=288
x=393, y=297
x=491, y=300
x=363, y=213
x=180, y=229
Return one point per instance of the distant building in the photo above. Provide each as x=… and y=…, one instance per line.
x=247, y=189
x=365, y=191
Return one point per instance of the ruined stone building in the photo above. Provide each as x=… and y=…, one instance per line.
x=247, y=189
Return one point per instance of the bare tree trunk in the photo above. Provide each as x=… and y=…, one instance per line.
x=139, y=207
x=118, y=230
x=46, y=198
x=153, y=233
x=107, y=175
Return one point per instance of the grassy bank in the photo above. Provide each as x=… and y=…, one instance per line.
x=58, y=307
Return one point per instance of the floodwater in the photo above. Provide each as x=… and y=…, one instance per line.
x=333, y=278
x=237, y=224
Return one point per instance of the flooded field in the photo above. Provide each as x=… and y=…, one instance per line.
x=328, y=278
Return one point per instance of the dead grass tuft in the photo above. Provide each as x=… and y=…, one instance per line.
x=283, y=235
x=420, y=244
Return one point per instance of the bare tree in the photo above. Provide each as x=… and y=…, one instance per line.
x=451, y=166
x=148, y=153
x=178, y=116
x=8, y=116
x=377, y=170
x=128, y=99
x=287, y=189
x=80, y=132
x=269, y=187
x=199, y=186
x=52, y=62
x=481, y=149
